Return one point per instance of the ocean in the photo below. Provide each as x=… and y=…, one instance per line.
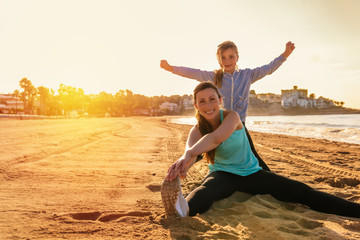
x=337, y=127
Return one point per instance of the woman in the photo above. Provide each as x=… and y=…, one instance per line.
x=233, y=166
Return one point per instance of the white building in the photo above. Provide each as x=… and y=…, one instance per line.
x=173, y=107
x=298, y=98
x=294, y=98
x=187, y=104
x=322, y=102
x=10, y=104
x=269, y=97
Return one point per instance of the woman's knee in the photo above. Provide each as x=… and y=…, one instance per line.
x=297, y=191
x=216, y=186
x=283, y=188
x=199, y=200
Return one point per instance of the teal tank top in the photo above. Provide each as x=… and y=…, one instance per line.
x=234, y=155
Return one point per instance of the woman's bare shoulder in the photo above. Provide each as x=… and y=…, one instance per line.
x=234, y=113
x=195, y=129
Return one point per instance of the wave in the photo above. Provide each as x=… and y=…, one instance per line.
x=341, y=127
x=307, y=124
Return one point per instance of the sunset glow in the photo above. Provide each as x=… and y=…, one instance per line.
x=113, y=45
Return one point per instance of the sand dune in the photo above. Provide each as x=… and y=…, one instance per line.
x=100, y=179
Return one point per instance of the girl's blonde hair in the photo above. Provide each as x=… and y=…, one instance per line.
x=204, y=126
x=220, y=72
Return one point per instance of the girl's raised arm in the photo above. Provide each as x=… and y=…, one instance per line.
x=197, y=74
x=289, y=48
x=165, y=65
x=268, y=69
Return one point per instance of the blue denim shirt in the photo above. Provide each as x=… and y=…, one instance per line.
x=235, y=87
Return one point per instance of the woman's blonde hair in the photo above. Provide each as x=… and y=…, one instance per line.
x=204, y=126
x=220, y=72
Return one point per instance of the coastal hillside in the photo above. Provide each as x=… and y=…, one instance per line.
x=276, y=109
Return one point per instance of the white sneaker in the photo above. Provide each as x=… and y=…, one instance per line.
x=173, y=199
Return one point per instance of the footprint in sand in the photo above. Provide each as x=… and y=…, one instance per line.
x=86, y=216
x=308, y=224
x=353, y=226
x=154, y=187
x=106, y=217
x=263, y=214
x=293, y=231
x=338, y=182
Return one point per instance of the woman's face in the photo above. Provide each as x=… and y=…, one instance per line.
x=228, y=60
x=208, y=103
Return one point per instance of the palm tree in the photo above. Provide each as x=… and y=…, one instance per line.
x=16, y=94
x=44, y=94
x=28, y=94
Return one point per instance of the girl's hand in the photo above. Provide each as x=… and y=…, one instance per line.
x=288, y=49
x=165, y=65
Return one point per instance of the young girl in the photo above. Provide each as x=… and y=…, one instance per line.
x=233, y=83
x=233, y=167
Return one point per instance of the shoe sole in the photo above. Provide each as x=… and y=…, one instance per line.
x=169, y=195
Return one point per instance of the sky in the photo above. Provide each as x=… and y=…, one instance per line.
x=112, y=45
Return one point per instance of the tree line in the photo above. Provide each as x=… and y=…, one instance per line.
x=44, y=101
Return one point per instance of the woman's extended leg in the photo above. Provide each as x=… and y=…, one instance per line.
x=216, y=186
x=285, y=189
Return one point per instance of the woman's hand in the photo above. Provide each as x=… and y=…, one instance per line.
x=165, y=65
x=179, y=167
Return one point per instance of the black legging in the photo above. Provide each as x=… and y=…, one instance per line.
x=219, y=185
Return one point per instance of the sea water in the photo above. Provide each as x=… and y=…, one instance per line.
x=337, y=127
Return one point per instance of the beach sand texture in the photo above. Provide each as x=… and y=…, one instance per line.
x=100, y=179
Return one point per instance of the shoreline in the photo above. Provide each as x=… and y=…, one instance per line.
x=342, y=128
x=100, y=179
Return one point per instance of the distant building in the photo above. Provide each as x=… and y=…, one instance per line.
x=142, y=111
x=10, y=104
x=294, y=97
x=187, y=104
x=322, y=102
x=298, y=98
x=269, y=97
x=172, y=107
x=253, y=95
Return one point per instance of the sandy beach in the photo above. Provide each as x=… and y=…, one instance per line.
x=100, y=179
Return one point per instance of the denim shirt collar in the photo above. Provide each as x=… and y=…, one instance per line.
x=236, y=71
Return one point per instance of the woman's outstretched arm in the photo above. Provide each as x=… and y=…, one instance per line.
x=212, y=140
x=205, y=144
x=194, y=136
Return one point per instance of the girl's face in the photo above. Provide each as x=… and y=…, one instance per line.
x=228, y=60
x=208, y=103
